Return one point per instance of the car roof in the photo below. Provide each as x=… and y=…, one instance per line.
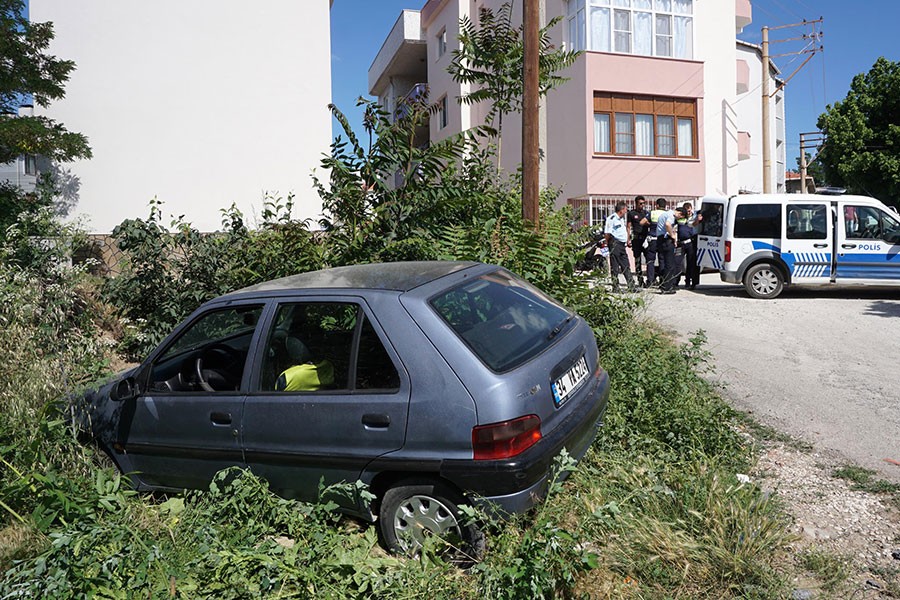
x=398, y=276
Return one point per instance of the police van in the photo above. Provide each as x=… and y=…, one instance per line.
x=768, y=241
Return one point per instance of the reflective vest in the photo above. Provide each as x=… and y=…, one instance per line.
x=307, y=377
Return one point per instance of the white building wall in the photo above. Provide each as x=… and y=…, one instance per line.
x=748, y=107
x=200, y=103
x=714, y=45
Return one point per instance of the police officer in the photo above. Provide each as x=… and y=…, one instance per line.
x=638, y=230
x=616, y=231
x=666, y=236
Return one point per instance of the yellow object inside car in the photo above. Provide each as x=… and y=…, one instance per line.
x=307, y=377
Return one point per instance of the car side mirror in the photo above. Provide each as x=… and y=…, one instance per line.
x=892, y=237
x=125, y=389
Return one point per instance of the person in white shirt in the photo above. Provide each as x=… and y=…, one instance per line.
x=616, y=231
x=666, y=235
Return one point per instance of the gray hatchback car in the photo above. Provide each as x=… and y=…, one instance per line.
x=434, y=383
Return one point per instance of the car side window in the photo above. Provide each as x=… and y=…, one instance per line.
x=807, y=221
x=318, y=346
x=869, y=223
x=210, y=355
x=757, y=221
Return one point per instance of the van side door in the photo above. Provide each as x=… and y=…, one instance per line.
x=710, y=245
x=807, y=245
x=868, y=244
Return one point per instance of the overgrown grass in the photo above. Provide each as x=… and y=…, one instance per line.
x=653, y=511
x=863, y=479
x=831, y=569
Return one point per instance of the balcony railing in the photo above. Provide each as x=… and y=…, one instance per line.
x=415, y=94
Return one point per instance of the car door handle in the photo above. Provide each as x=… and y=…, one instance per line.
x=820, y=245
x=220, y=418
x=376, y=421
x=848, y=245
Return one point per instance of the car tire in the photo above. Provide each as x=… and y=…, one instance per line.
x=412, y=510
x=763, y=281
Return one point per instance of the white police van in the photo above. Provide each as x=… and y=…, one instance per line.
x=767, y=241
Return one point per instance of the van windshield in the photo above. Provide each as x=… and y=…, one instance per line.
x=504, y=320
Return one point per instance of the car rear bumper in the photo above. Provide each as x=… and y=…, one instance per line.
x=514, y=485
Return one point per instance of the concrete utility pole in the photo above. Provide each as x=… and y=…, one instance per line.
x=811, y=49
x=812, y=140
x=766, y=150
x=530, y=113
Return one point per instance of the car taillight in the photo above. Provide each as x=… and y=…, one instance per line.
x=506, y=439
x=727, y=251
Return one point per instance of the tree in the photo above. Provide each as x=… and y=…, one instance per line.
x=27, y=69
x=491, y=58
x=862, y=148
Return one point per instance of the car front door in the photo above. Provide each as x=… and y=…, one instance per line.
x=330, y=395
x=868, y=244
x=185, y=425
x=807, y=245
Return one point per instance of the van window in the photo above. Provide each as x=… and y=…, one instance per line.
x=866, y=222
x=807, y=221
x=757, y=221
x=712, y=219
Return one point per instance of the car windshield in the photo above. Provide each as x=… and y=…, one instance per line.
x=504, y=320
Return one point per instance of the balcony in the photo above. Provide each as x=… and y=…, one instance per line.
x=743, y=14
x=417, y=93
x=743, y=141
x=402, y=55
x=743, y=76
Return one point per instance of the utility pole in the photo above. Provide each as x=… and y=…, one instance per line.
x=812, y=140
x=766, y=150
x=530, y=113
x=811, y=49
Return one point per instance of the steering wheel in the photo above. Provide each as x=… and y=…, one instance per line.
x=229, y=356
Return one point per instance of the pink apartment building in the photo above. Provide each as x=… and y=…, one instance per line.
x=664, y=102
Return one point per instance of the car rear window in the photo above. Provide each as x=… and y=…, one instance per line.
x=504, y=320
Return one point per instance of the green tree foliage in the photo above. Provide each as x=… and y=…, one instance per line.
x=862, y=151
x=385, y=199
x=491, y=59
x=26, y=68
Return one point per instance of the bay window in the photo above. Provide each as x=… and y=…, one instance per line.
x=644, y=27
x=644, y=125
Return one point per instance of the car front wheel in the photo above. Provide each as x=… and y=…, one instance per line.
x=414, y=510
x=763, y=281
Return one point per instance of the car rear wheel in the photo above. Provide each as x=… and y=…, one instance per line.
x=414, y=510
x=763, y=281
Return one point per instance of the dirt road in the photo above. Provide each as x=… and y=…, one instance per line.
x=821, y=364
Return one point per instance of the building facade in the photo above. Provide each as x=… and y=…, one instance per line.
x=659, y=103
x=200, y=104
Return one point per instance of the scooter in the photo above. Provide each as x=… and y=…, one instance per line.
x=596, y=255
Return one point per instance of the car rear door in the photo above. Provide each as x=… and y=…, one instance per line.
x=329, y=431
x=808, y=240
x=711, y=232
x=868, y=244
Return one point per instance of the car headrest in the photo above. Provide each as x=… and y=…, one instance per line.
x=297, y=350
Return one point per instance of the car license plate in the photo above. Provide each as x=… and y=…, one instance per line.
x=569, y=381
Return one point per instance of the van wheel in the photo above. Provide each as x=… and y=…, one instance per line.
x=763, y=281
x=414, y=510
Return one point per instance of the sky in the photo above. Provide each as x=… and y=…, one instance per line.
x=855, y=35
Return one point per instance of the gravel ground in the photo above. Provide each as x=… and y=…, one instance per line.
x=820, y=365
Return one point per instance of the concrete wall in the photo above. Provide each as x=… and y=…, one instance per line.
x=200, y=103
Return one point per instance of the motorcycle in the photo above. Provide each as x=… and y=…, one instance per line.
x=596, y=254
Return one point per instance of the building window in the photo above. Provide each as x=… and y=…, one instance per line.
x=442, y=43
x=30, y=165
x=442, y=113
x=644, y=126
x=644, y=27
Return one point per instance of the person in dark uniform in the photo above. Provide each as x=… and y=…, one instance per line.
x=638, y=230
x=687, y=241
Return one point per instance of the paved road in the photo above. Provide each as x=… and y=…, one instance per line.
x=822, y=364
